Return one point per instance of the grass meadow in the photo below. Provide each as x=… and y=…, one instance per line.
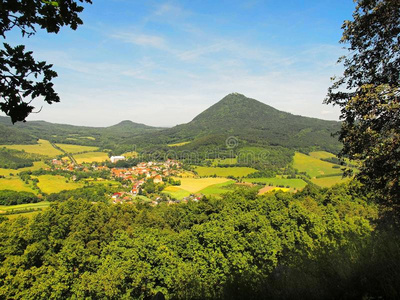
x=43, y=148
x=178, y=144
x=76, y=148
x=329, y=181
x=225, y=161
x=321, y=154
x=15, y=184
x=295, y=183
x=37, y=165
x=225, y=172
x=217, y=189
x=55, y=183
x=91, y=157
x=313, y=166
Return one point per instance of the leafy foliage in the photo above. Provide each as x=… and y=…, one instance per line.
x=19, y=71
x=370, y=105
x=13, y=159
x=229, y=248
x=8, y=197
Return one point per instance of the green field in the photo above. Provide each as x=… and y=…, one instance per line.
x=217, y=189
x=275, y=181
x=194, y=185
x=76, y=148
x=176, y=192
x=190, y=186
x=90, y=157
x=55, y=183
x=6, y=208
x=313, y=166
x=14, y=184
x=43, y=148
x=225, y=161
x=329, y=181
x=321, y=154
x=224, y=172
x=36, y=166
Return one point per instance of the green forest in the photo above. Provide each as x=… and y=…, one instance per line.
x=241, y=246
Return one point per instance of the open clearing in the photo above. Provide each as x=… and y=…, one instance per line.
x=43, y=148
x=7, y=208
x=217, y=189
x=268, y=189
x=321, y=154
x=224, y=172
x=178, y=144
x=37, y=165
x=55, y=183
x=176, y=192
x=329, y=181
x=225, y=161
x=90, y=157
x=205, y=186
x=275, y=181
x=76, y=148
x=15, y=184
x=131, y=154
x=313, y=166
x=194, y=185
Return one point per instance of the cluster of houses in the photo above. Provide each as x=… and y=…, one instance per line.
x=137, y=175
x=144, y=171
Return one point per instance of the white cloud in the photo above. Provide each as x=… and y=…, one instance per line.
x=141, y=39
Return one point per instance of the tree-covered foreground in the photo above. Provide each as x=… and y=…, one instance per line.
x=313, y=244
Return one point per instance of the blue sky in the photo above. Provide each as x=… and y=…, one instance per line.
x=163, y=62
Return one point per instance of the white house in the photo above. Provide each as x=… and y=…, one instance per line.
x=114, y=159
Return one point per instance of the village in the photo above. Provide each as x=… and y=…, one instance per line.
x=134, y=179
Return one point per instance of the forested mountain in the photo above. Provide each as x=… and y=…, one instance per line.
x=257, y=123
x=84, y=135
x=248, y=120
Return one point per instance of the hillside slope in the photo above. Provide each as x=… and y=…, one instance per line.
x=254, y=122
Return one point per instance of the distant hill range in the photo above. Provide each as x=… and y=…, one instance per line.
x=251, y=122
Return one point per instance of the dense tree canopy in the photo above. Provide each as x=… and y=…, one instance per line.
x=240, y=247
x=368, y=94
x=22, y=79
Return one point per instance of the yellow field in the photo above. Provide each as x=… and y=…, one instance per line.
x=90, y=157
x=178, y=144
x=43, y=148
x=14, y=184
x=76, y=148
x=187, y=174
x=37, y=165
x=224, y=172
x=130, y=154
x=177, y=192
x=194, y=185
x=321, y=154
x=329, y=181
x=313, y=166
x=55, y=184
